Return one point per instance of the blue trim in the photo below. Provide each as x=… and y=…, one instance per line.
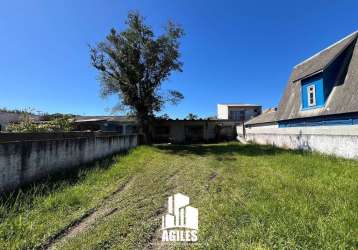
x=313, y=107
x=321, y=121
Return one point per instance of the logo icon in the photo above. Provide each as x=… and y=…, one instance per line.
x=181, y=221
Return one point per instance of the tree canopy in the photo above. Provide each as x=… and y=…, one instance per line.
x=134, y=63
x=192, y=116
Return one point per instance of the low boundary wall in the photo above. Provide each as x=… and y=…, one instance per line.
x=341, y=141
x=27, y=157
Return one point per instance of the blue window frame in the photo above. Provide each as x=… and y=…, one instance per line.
x=312, y=92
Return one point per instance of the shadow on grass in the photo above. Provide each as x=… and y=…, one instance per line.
x=54, y=181
x=226, y=150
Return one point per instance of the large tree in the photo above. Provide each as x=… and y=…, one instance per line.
x=134, y=63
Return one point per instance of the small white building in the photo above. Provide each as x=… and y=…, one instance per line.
x=238, y=112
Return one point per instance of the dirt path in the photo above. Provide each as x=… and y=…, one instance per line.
x=156, y=242
x=87, y=220
x=115, y=204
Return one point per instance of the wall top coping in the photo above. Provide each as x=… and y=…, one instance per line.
x=13, y=137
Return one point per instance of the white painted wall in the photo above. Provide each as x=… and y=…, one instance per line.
x=340, y=141
x=223, y=111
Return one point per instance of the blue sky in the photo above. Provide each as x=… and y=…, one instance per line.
x=233, y=51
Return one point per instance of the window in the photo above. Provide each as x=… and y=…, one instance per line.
x=242, y=115
x=311, y=92
x=237, y=115
x=231, y=115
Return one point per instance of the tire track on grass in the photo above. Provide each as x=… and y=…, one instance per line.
x=85, y=221
x=154, y=241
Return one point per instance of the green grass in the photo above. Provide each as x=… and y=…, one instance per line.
x=248, y=196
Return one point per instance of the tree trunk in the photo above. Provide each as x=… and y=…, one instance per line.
x=144, y=125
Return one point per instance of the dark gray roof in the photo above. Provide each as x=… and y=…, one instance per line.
x=267, y=116
x=96, y=118
x=322, y=59
x=342, y=99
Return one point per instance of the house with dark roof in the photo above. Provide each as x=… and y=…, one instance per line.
x=177, y=130
x=319, y=104
x=121, y=124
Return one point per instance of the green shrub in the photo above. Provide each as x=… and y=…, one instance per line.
x=28, y=125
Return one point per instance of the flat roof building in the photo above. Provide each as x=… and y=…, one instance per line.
x=238, y=112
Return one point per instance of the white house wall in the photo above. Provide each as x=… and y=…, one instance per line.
x=340, y=141
x=223, y=111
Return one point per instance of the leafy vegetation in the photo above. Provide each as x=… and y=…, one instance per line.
x=248, y=196
x=191, y=116
x=17, y=111
x=134, y=63
x=29, y=125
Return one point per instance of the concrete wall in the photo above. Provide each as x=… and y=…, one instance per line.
x=340, y=141
x=177, y=129
x=25, y=158
x=212, y=130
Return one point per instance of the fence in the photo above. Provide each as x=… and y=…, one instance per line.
x=340, y=141
x=26, y=157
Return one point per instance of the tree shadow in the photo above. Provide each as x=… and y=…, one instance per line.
x=231, y=149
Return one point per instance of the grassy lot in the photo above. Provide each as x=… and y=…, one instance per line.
x=249, y=197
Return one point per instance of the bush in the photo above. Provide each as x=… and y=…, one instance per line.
x=28, y=125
